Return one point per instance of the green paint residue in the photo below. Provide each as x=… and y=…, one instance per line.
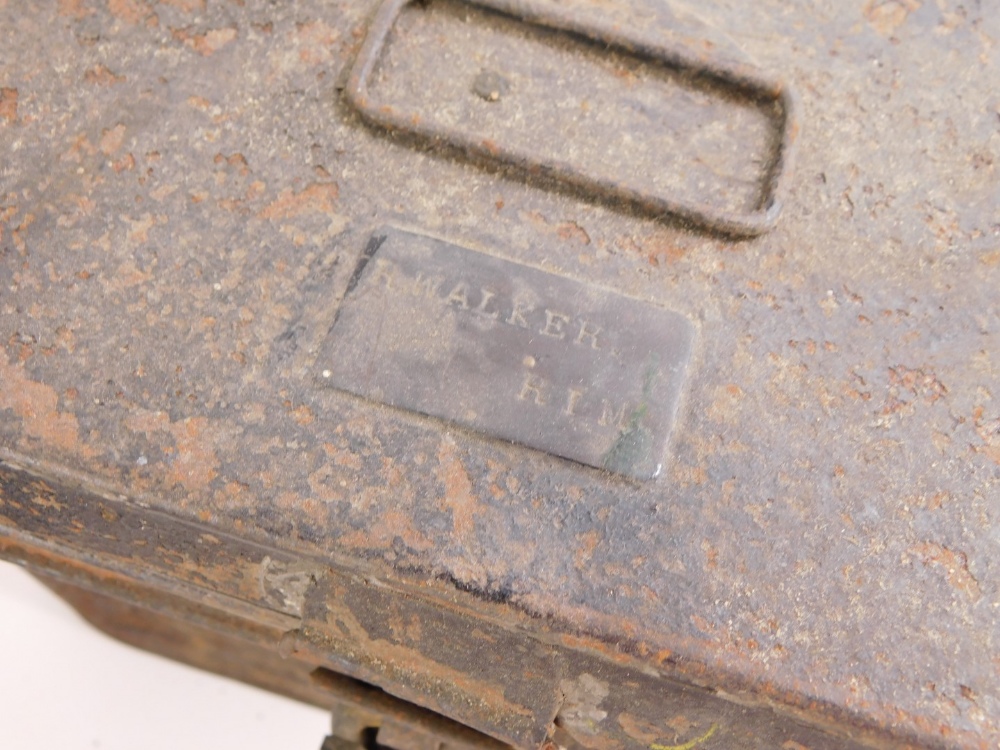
x=687, y=745
x=634, y=442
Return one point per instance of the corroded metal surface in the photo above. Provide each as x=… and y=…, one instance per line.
x=185, y=194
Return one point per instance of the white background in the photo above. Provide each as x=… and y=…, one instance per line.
x=66, y=686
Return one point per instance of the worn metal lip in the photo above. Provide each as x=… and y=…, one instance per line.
x=745, y=77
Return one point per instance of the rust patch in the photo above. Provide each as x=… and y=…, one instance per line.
x=458, y=495
x=565, y=230
x=390, y=525
x=662, y=249
x=403, y=659
x=639, y=729
x=570, y=230
x=75, y=9
x=237, y=161
x=955, y=564
x=36, y=404
x=303, y=415
x=199, y=102
x=907, y=388
x=8, y=104
x=101, y=75
x=133, y=12
x=920, y=382
x=319, y=198
x=680, y=724
x=128, y=274
x=125, y=164
x=989, y=432
x=342, y=457
x=206, y=44
x=726, y=405
x=112, y=139
x=81, y=146
x=588, y=542
x=886, y=16
x=186, y=6
x=193, y=462
x=42, y=495
x=316, y=40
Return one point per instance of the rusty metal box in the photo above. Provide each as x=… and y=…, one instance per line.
x=517, y=373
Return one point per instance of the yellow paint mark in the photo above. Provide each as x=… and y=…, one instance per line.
x=687, y=745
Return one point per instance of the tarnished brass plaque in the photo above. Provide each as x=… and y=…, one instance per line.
x=511, y=351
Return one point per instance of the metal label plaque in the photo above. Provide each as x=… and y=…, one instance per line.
x=510, y=351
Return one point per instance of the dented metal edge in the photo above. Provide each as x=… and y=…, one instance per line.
x=603, y=638
x=200, y=606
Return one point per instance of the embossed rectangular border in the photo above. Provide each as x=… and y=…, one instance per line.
x=744, y=78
